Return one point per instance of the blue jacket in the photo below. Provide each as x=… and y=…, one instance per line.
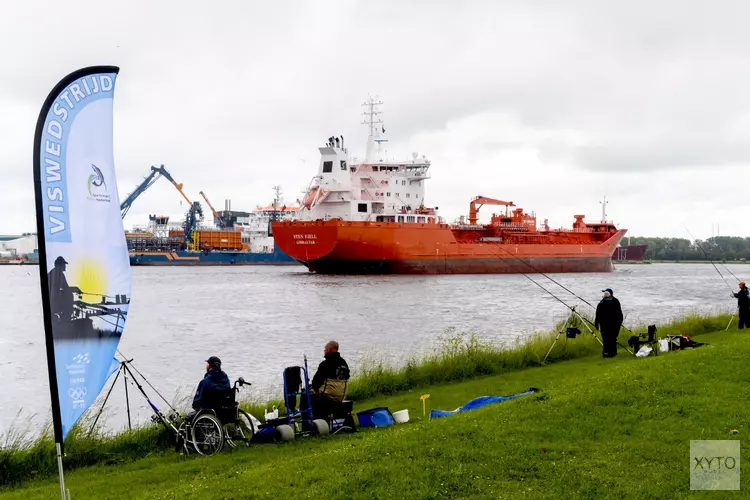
x=213, y=384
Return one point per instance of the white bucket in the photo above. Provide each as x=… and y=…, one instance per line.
x=663, y=345
x=401, y=417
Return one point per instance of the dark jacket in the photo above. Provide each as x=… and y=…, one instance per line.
x=211, y=390
x=743, y=298
x=332, y=377
x=608, y=314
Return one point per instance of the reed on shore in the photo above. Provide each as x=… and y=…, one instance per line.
x=458, y=356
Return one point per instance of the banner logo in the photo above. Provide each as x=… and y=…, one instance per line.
x=77, y=394
x=97, y=186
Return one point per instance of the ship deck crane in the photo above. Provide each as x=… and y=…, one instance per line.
x=217, y=218
x=479, y=201
x=152, y=177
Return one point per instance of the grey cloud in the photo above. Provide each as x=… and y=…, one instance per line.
x=231, y=98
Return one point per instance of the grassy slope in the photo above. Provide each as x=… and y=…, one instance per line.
x=617, y=428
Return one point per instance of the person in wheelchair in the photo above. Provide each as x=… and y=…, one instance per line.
x=213, y=390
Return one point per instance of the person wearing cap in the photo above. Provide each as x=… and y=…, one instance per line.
x=60, y=293
x=608, y=321
x=215, y=383
x=743, y=304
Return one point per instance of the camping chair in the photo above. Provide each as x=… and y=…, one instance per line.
x=636, y=343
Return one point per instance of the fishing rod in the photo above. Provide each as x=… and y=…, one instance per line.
x=97, y=295
x=555, y=282
x=571, y=308
x=546, y=276
x=131, y=365
x=717, y=270
x=712, y=262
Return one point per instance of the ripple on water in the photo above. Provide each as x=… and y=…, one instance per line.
x=262, y=319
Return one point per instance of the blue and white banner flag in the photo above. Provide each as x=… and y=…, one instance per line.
x=83, y=256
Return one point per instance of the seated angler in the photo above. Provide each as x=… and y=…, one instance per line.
x=330, y=382
x=212, y=388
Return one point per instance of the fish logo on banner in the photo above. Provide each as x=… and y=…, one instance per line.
x=97, y=184
x=84, y=266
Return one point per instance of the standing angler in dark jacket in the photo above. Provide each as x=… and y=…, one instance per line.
x=743, y=303
x=608, y=321
x=214, y=385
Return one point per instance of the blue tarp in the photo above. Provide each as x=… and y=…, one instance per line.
x=478, y=403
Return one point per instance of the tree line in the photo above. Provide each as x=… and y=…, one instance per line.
x=719, y=248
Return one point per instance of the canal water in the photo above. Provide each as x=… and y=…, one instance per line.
x=260, y=319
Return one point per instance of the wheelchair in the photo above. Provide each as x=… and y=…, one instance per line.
x=222, y=423
x=314, y=417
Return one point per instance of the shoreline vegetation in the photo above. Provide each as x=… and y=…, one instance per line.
x=459, y=357
x=718, y=248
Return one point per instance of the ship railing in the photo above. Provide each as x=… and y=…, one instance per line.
x=509, y=224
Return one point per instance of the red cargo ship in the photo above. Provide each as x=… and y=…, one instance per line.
x=630, y=253
x=371, y=218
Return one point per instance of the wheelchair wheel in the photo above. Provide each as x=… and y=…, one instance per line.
x=320, y=427
x=242, y=431
x=284, y=433
x=207, y=434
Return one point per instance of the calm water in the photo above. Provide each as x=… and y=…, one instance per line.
x=261, y=319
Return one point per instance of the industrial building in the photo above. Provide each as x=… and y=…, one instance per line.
x=19, y=247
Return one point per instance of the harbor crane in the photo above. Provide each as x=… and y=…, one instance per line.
x=479, y=201
x=192, y=218
x=152, y=177
x=217, y=217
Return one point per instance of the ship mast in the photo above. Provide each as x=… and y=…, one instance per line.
x=276, y=202
x=604, y=210
x=375, y=124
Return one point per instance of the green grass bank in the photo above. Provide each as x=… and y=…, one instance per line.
x=446, y=374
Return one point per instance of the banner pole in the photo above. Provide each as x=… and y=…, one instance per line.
x=58, y=447
x=44, y=283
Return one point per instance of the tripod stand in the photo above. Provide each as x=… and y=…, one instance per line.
x=125, y=370
x=571, y=332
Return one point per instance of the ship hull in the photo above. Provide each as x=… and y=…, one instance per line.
x=277, y=258
x=462, y=266
x=339, y=247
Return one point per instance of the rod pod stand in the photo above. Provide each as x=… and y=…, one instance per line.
x=121, y=370
x=565, y=327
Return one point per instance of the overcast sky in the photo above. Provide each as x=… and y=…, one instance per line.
x=550, y=106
